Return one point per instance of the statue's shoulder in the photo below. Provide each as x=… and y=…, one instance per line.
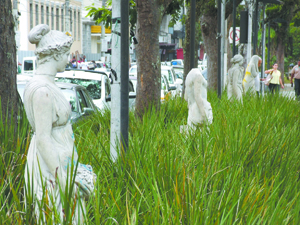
x=37, y=87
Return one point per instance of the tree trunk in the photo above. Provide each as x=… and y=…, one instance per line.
x=8, y=72
x=187, y=48
x=149, y=15
x=148, y=60
x=209, y=27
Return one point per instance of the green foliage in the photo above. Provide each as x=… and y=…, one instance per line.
x=174, y=9
x=100, y=15
x=104, y=14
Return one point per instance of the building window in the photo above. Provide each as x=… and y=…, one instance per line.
x=52, y=18
x=57, y=18
x=71, y=21
x=62, y=19
x=31, y=16
x=36, y=14
x=75, y=25
x=42, y=14
x=47, y=15
x=79, y=26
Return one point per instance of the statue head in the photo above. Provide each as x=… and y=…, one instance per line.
x=256, y=61
x=49, y=43
x=237, y=59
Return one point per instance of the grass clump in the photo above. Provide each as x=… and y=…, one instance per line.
x=241, y=169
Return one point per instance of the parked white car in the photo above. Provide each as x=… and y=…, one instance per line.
x=169, y=72
x=96, y=83
x=177, y=62
x=173, y=80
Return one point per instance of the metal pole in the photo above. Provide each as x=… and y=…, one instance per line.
x=219, y=49
x=115, y=129
x=269, y=45
x=223, y=6
x=102, y=35
x=124, y=58
x=249, y=44
x=255, y=28
x=263, y=49
x=192, y=43
x=234, y=27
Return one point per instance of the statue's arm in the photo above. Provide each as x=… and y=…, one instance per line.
x=43, y=108
x=198, y=98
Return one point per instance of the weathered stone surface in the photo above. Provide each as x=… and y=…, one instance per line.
x=200, y=111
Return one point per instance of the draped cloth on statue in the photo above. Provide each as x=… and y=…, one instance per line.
x=62, y=138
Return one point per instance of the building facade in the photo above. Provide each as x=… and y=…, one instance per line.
x=60, y=15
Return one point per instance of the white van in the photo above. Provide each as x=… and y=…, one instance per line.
x=29, y=65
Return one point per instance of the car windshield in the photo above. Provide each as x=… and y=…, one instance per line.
x=163, y=84
x=179, y=75
x=28, y=65
x=133, y=70
x=169, y=75
x=71, y=97
x=92, y=86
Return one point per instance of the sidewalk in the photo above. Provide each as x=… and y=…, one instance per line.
x=288, y=91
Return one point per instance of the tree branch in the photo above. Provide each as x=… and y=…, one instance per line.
x=229, y=7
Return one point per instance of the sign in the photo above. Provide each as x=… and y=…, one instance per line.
x=231, y=35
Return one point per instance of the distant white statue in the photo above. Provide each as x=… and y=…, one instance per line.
x=251, y=74
x=200, y=111
x=235, y=78
x=52, y=149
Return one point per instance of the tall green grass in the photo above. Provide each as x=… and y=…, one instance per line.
x=241, y=169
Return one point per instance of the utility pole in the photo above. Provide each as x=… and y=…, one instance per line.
x=234, y=28
x=124, y=58
x=102, y=36
x=249, y=44
x=255, y=27
x=223, y=6
x=219, y=48
x=115, y=128
x=192, y=40
x=263, y=48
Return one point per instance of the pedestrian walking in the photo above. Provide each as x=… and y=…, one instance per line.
x=276, y=81
x=296, y=74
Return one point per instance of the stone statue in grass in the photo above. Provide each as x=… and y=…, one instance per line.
x=251, y=74
x=235, y=78
x=200, y=111
x=52, y=152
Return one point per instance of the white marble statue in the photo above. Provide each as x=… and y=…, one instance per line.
x=235, y=78
x=200, y=110
x=251, y=74
x=52, y=145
